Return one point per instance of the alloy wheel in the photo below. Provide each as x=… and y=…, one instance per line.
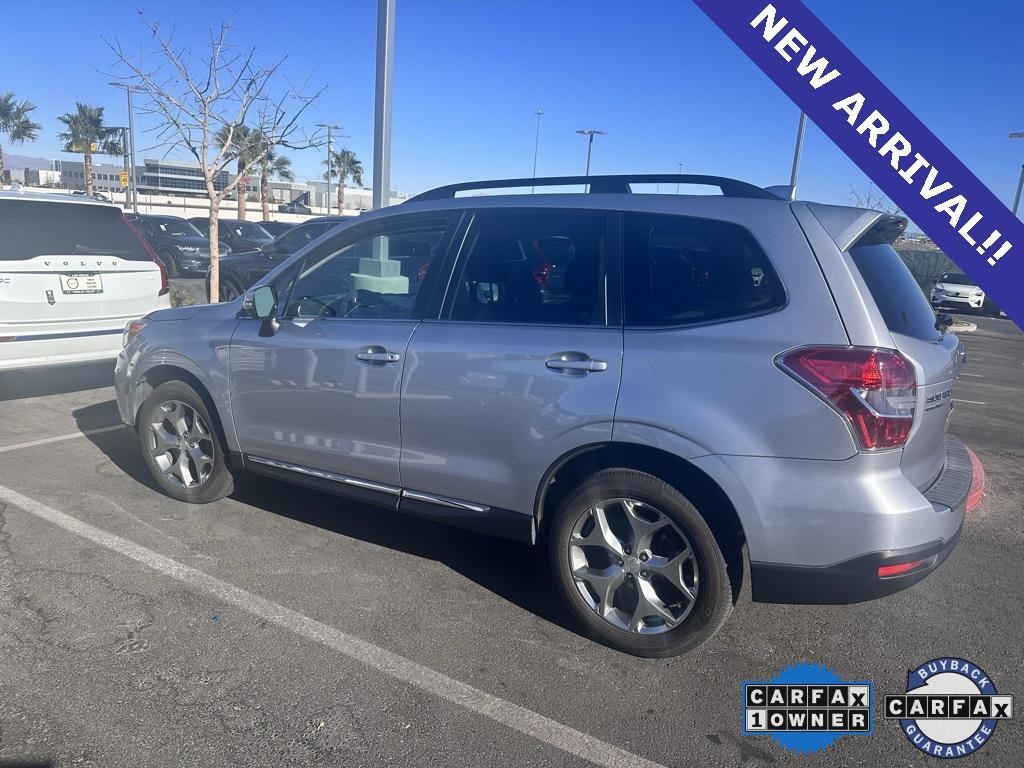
x=181, y=444
x=633, y=566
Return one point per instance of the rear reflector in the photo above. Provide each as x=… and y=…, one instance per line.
x=874, y=389
x=898, y=569
x=977, y=491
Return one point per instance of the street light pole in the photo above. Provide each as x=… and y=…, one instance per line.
x=327, y=195
x=590, y=133
x=536, y=145
x=680, y=173
x=1020, y=181
x=129, y=88
x=382, y=103
x=797, y=154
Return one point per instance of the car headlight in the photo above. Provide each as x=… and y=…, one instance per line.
x=132, y=330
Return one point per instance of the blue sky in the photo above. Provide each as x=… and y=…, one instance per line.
x=659, y=77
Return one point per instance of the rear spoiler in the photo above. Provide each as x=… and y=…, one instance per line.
x=856, y=226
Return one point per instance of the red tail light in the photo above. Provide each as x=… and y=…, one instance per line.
x=164, y=285
x=898, y=569
x=875, y=389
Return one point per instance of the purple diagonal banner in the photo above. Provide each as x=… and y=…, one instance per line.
x=882, y=136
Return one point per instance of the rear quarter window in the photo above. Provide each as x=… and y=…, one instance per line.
x=899, y=298
x=30, y=228
x=682, y=270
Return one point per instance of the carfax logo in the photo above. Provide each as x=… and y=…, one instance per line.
x=950, y=709
x=807, y=707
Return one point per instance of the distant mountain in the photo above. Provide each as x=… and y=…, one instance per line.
x=24, y=161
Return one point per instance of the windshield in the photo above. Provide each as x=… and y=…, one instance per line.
x=956, y=278
x=175, y=227
x=247, y=230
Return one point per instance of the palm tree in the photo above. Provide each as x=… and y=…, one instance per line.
x=86, y=134
x=242, y=144
x=277, y=165
x=344, y=165
x=15, y=123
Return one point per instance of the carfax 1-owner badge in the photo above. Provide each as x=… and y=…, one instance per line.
x=950, y=709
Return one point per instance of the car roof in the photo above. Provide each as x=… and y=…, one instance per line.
x=54, y=197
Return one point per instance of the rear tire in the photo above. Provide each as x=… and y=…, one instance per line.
x=642, y=611
x=229, y=289
x=181, y=445
x=171, y=263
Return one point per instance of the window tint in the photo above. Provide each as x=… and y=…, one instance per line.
x=956, y=278
x=682, y=270
x=30, y=228
x=898, y=296
x=533, y=268
x=374, y=277
x=296, y=238
x=174, y=227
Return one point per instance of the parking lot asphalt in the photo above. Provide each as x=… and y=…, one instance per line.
x=282, y=626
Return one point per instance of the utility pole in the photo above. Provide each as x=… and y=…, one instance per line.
x=1020, y=181
x=590, y=133
x=382, y=103
x=680, y=173
x=536, y=145
x=327, y=195
x=132, y=182
x=797, y=154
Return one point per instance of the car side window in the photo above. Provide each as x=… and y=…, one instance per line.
x=378, y=276
x=681, y=270
x=530, y=267
x=296, y=238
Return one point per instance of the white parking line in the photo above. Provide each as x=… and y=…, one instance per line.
x=972, y=402
x=58, y=438
x=975, y=375
x=518, y=718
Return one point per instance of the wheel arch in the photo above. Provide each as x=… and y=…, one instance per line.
x=164, y=372
x=701, y=489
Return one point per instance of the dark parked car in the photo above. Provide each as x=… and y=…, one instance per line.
x=294, y=207
x=181, y=247
x=243, y=268
x=277, y=228
x=240, y=235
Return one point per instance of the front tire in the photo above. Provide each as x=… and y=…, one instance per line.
x=171, y=263
x=181, y=445
x=638, y=565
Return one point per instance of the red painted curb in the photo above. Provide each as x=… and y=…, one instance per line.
x=977, y=481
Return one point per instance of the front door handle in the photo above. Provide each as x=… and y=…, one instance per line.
x=575, y=363
x=377, y=354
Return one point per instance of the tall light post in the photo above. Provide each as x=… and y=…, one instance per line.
x=382, y=103
x=590, y=133
x=536, y=145
x=797, y=154
x=1020, y=181
x=327, y=195
x=680, y=173
x=124, y=156
x=129, y=89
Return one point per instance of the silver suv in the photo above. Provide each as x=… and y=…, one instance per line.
x=643, y=384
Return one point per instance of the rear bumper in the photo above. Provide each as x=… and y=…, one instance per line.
x=46, y=350
x=857, y=579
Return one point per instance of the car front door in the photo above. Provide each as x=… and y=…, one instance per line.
x=520, y=364
x=320, y=395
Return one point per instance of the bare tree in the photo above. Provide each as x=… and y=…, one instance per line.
x=197, y=97
x=873, y=199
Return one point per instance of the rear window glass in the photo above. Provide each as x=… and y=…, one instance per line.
x=898, y=296
x=682, y=270
x=31, y=228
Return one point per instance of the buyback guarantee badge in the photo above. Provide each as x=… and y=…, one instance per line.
x=806, y=707
x=950, y=709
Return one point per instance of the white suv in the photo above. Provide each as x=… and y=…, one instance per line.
x=955, y=290
x=73, y=273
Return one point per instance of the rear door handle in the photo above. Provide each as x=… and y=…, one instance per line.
x=575, y=363
x=377, y=354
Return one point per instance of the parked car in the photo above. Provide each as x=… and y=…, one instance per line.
x=276, y=228
x=182, y=248
x=95, y=195
x=240, y=270
x=294, y=207
x=239, y=235
x=955, y=290
x=641, y=384
x=73, y=273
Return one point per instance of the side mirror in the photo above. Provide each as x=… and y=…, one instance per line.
x=269, y=249
x=943, y=321
x=261, y=304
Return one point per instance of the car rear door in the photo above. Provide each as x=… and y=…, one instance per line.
x=71, y=268
x=519, y=365
x=937, y=357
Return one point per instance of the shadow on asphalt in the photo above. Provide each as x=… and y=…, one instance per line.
x=58, y=380
x=515, y=572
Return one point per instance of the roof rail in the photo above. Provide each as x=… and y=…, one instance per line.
x=603, y=184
